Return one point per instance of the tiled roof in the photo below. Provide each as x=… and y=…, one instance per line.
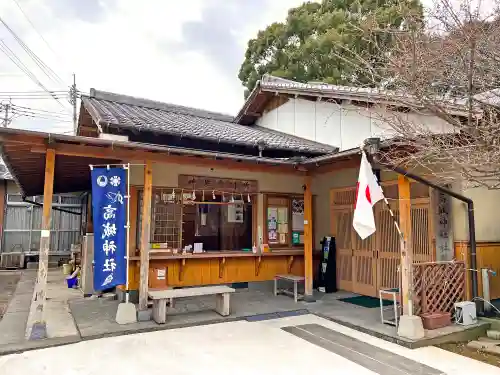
x=147, y=115
x=272, y=82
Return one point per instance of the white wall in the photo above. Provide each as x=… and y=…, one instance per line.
x=345, y=126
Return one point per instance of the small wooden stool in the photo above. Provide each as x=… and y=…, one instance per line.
x=295, y=279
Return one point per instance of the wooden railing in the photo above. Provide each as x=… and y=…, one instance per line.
x=437, y=286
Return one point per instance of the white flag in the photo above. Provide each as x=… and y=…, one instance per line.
x=369, y=192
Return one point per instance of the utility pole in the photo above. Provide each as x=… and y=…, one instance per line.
x=72, y=99
x=5, y=108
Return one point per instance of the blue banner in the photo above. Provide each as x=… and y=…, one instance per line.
x=109, y=217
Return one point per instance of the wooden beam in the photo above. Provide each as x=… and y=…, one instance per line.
x=38, y=305
x=308, y=238
x=145, y=235
x=335, y=165
x=163, y=157
x=406, y=245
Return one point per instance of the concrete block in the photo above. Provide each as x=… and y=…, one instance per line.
x=32, y=265
x=411, y=327
x=491, y=346
x=493, y=334
x=222, y=304
x=126, y=313
x=144, y=315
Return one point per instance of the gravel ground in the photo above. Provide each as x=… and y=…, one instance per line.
x=8, y=283
x=462, y=349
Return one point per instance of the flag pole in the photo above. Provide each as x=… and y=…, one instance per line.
x=403, y=244
x=127, y=254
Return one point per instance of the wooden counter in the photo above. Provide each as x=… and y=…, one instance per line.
x=217, y=267
x=158, y=255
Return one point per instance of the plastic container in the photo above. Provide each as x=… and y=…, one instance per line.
x=72, y=282
x=67, y=269
x=436, y=320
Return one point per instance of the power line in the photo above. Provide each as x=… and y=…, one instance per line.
x=15, y=59
x=38, y=110
x=43, y=67
x=34, y=28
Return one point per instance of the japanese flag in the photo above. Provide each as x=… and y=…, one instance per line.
x=369, y=192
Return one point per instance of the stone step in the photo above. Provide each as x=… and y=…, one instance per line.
x=493, y=334
x=491, y=347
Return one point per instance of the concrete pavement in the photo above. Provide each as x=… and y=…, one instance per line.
x=241, y=347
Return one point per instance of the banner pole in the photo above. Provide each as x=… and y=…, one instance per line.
x=127, y=254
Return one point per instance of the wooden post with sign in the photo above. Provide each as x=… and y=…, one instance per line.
x=406, y=244
x=39, y=330
x=145, y=235
x=308, y=239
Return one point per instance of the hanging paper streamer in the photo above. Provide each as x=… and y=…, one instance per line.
x=109, y=212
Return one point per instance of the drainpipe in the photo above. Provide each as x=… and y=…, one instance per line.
x=372, y=145
x=470, y=215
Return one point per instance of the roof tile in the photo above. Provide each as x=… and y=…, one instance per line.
x=147, y=115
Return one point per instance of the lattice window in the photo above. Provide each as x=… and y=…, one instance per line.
x=166, y=219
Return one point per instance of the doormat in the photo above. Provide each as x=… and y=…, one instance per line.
x=365, y=301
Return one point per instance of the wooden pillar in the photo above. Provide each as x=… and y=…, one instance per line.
x=145, y=235
x=406, y=245
x=308, y=238
x=39, y=327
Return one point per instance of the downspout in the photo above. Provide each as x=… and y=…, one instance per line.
x=470, y=215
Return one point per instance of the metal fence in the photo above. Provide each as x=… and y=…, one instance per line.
x=23, y=222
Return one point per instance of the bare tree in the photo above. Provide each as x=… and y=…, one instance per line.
x=447, y=67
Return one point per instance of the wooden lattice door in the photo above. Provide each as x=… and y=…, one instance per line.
x=341, y=204
x=366, y=266
x=388, y=248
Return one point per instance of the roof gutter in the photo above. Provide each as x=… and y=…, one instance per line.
x=470, y=215
x=325, y=158
x=148, y=147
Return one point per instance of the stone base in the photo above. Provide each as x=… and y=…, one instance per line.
x=38, y=331
x=144, y=315
x=126, y=313
x=411, y=327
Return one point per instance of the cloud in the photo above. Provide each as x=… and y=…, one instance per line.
x=217, y=33
x=92, y=11
x=185, y=53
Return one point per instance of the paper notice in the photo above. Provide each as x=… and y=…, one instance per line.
x=283, y=215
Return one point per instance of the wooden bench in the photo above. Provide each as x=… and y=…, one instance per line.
x=295, y=279
x=160, y=297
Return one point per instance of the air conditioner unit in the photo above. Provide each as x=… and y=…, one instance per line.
x=12, y=260
x=465, y=313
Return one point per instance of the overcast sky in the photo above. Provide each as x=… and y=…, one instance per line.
x=183, y=52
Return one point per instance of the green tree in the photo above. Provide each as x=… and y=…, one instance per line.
x=319, y=41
